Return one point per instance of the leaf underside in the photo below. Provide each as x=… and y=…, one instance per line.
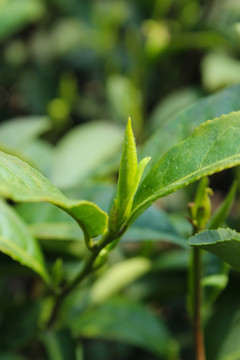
x=224, y=243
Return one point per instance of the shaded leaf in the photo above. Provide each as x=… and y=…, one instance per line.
x=171, y=105
x=21, y=183
x=223, y=328
x=17, y=242
x=222, y=212
x=9, y=356
x=153, y=225
x=225, y=243
x=172, y=260
x=127, y=322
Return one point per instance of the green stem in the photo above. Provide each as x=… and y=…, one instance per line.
x=86, y=269
x=196, y=305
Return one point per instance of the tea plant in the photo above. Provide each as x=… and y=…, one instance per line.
x=211, y=148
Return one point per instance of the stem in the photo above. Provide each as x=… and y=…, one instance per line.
x=196, y=305
x=86, y=269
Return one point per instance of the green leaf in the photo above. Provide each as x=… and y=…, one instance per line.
x=8, y=356
x=40, y=154
x=18, y=132
x=212, y=147
x=17, y=242
x=125, y=99
x=21, y=183
x=183, y=123
x=83, y=151
x=117, y=277
x=172, y=260
x=52, y=345
x=153, y=225
x=222, y=212
x=219, y=70
x=56, y=231
x=222, y=330
x=15, y=14
x=125, y=321
x=225, y=243
x=130, y=174
x=170, y=105
x=128, y=166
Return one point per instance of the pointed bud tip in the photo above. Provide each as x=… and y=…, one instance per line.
x=129, y=123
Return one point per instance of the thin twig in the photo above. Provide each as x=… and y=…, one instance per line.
x=86, y=269
x=197, y=300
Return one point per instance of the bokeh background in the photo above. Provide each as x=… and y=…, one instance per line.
x=71, y=73
x=77, y=61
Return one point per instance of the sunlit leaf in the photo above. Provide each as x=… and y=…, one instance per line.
x=21, y=183
x=212, y=147
x=183, y=123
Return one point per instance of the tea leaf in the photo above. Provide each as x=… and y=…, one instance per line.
x=153, y=225
x=21, y=183
x=225, y=243
x=118, y=277
x=181, y=125
x=212, y=147
x=18, y=132
x=17, y=242
x=125, y=321
x=128, y=166
x=83, y=151
x=222, y=212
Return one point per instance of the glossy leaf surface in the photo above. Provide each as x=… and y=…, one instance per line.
x=212, y=147
x=21, y=183
x=183, y=123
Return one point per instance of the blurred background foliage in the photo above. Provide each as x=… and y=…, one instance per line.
x=71, y=72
